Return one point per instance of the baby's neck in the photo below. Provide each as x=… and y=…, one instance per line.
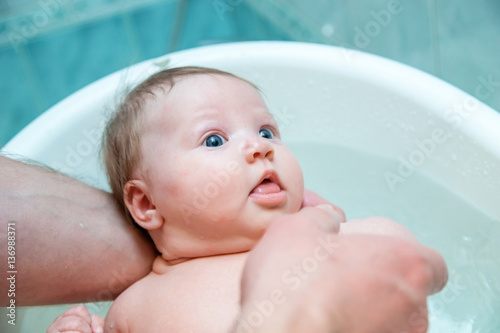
x=162, y=266
x=176, y=248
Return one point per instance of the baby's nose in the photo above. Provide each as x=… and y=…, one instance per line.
x=258, y=148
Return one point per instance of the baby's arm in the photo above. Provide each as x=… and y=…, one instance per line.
x=77, y=319
x=115, y=318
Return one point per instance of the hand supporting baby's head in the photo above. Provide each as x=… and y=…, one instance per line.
x=197, y=159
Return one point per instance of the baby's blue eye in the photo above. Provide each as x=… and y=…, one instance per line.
x=214, y=141
x=266, y=134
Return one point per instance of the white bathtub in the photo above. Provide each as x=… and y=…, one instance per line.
x=374, y=136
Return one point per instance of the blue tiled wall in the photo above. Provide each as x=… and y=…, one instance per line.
x=469, y=33
x=458, y=41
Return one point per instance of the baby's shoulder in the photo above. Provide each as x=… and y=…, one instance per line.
x=135, y=304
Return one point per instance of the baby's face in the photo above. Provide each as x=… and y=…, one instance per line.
x=215, y=167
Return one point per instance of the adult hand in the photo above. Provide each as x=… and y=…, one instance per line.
x=305, y=277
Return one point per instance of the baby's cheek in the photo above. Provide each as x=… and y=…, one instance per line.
x=295, y=198
x=297, y=202
x=299, y=189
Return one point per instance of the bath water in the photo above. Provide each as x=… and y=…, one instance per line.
x=355, y=181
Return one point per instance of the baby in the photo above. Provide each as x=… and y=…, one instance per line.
x=196, y=159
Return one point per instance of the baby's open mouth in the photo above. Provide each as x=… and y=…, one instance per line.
x=267, y=186
x=268, y=193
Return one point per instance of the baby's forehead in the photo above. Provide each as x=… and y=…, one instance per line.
x=196, y=81
x=199, y=91
x=207, y=84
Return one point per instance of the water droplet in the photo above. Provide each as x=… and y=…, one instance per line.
x=328, y=29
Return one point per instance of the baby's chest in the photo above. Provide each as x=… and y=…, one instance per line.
x=203, y=298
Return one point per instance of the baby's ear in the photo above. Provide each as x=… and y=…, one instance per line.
x=139, y=204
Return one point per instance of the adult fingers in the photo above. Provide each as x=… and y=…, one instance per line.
x=439, y=270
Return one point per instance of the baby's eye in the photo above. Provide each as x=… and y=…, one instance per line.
x=214, y=141
x=266, y=134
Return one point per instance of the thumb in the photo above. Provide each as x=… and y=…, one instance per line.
x=312, y=199
x=329, y=221
x=320, y=219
